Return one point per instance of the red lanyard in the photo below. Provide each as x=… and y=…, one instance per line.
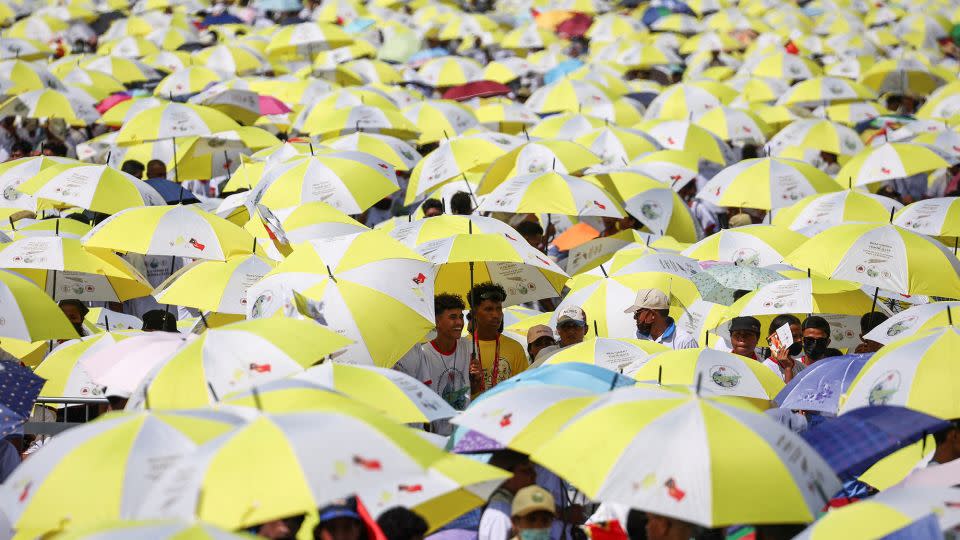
x=494, y=369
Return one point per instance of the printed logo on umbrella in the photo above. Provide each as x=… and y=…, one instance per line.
x=884, y=388
x=725, y=376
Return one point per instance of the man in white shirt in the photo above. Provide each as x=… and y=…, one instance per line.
x=651, y=311
x=443, y=363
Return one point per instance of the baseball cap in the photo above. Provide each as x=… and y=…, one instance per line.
x=572, y=315
x=532, y=499
x=537, y=332
x=748, y=324
x=339, y=509
x=649, y=299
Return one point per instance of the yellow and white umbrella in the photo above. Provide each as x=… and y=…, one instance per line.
x=564, y=157
x=567, y=95
x=684, y=101
x=215, y=286
x=400, y=154
x=449, y=71
x=363, y=118
x=125, y=70
x=339, y=280
x=100, y=188
x=882, y=256
x=65, y=269
x=17, y=76
x=766, y=183
x=230, y=59
x=904, y=76
x=933, y=217
x=685, y=135
x=186, y=82
x=438, y=120
x=181, y=231
x=654, y=204
x=750, y=245
x=889, y=161
x=551, y=193
x=310, y=221
x=307, y=38
x=735, y=125
x=716, y=372
x=610, y=353
x=23, y=48
x=617, y=146
x=566, y=126
x=455, y=157
x=675, y=168
x=349, y=181
x=782, y=65
x=835, y=208
x=174, y=120
x=823, y=90
x=28, y=313
x=819, y=134
x=128, y=47
x=509, y=118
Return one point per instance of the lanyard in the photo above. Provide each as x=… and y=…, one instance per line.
x=494, y=368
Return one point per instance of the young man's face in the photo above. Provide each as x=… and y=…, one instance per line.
x=489, y=315
x=571, y=334
x=450, y=323
x=744, y=342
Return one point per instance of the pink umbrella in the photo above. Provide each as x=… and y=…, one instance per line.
x=121, y=366
x=272, y=105
x=108, y=102
x=945, y=475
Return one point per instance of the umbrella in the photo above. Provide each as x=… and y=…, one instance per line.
x=882, y=256
x=20, y=388
x=157, y=529
x=889, y=161
x=553, y=193
x=214, y=285
x=566, y=126
x=172, y=192
x=446, y=71
x=349, y=181
x=933, y=217
x=69, y=105
x=816, y=295
x=720, y=373
x=751, y=245
x=329, y=454
x=819, y=387
x=64, y=372
x=29, y=314
x=819, y=134
x=64, y=268
x=894, y=513
x=566, y=95
x=735, y=125
x=309, y=221
x=835, y=208
x=339, y=280
x=94, y=187
x=100, y=471
x=173, y=120
x=617, y=146
x=177, y=231
x=654, y=204
x=400, y=154
x=649, y=462
x=398, y=395
x=610, y=353
x=910, y=322
x=362, y=118
x=564, y=157
x=823, y=90
x=905, y=76
x=684, y=101
x=307, y=38
x=467, y=259
x=914, y=372
x=234, y=358
x=476, y=89
x=765, y=183
x=185, y=82
x=684, y=135
x=718, y=283
x=438, y=120
x=453, y=158
x=854, y=441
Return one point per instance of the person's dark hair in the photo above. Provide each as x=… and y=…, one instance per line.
x=529, y=228
x=871, y=320
x=432, y=204
x=156, y=169
x=159, y=320
x=815, y=321
x=133, y=168
x=55, y=147
x=508, y=459
x=81, y=307
x=444, y=301
x=740, y=293
x=399, y=523
x=781, y=320
x=21, y=146
x=486, y=291
x=117, y=403
x=461, y=204
x=778, y=532
x=941, y=436
x=749, y=151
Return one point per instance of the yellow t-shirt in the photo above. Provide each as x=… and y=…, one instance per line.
x=513, y=360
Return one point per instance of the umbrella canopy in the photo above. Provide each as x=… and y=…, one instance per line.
x=720, y=373
x=766, y=183
x=819, y=387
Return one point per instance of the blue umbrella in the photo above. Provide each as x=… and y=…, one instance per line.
x=427, y=54
x=280, y=5
x=19, y=388
x=359, y=25
x=818, y=388
x=172, y=192
x=561, y=70
x=223, y=18
x=853, y=442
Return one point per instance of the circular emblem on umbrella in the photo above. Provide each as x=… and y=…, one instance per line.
x=901, y=326
x=725, y=376
x=884, y=388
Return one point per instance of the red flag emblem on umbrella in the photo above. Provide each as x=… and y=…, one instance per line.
x=260, y=368
x=416, y=488
x=673, y=491
x=196, y=244
x=367, y=464
x=600, y=206
x=505, y=421
x=420, y=279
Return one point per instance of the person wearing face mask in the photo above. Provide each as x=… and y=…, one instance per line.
x=533, y=513
x=816, y=338
x=651, y=311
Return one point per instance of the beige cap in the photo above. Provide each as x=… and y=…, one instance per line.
x=649, y=299
x=537, y=332
x=572, y=314
x=532, y=499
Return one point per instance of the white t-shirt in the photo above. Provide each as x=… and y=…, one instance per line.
x=446, y=374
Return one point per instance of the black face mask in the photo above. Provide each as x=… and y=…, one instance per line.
x=815, y=347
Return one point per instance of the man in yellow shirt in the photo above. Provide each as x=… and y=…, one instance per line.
x=486, y=326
